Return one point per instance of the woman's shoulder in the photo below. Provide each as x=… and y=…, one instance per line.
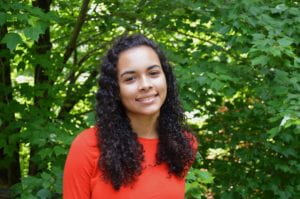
x=86, y=138
x=84, y=148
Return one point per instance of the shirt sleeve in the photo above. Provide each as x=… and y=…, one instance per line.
x=78, y=170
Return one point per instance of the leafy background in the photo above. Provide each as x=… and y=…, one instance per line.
x=237, y=63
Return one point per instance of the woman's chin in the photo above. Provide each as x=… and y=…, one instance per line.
x=146, y=112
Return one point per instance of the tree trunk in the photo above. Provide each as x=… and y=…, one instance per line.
x=43, y=45
x=10, y=173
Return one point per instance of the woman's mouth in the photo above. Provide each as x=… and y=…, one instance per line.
x=147, y=99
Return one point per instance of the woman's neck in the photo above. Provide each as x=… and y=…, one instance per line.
x=144, y=125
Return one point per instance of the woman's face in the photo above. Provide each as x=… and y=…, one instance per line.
x=142, y=82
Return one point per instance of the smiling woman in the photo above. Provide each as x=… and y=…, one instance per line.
x=142, y=83
x=140, y=147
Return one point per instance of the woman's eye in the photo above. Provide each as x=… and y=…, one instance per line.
x=128, y=79
x=154, y=73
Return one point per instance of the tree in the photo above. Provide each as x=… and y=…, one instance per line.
x=237, y=64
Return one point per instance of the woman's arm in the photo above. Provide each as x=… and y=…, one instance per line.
x=78, y=169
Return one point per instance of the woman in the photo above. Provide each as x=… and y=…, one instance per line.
x=139, y=147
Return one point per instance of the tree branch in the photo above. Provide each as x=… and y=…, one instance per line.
x=205, y=40
x=80, y=63
x=80, y=20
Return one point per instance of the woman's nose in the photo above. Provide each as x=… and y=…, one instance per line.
x=145, y=84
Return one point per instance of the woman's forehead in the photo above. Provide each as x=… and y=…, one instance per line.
x=137, y=58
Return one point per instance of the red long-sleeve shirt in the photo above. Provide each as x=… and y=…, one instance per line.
x=82, y=177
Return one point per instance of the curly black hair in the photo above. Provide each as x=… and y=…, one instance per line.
x=121, y=154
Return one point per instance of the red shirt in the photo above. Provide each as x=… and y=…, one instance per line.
x=82, y=177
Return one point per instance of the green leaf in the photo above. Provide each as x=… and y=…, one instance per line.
x=281, y=90
x=293, y=121
x=44, y=193
x=275, y=51
x=202, y=80
x=227, y=195
x=45, y=153
x=90, y=118
x=279, y=8
x=287, y=152
x=297, y=62
x=283, y=167
x=225, y=77
x=286, y=41
x=228, y=91
x=58, y=150
x=46, y=176
x=33, y=32
x=12, y=40
x=274, y=131
x=258, y=36
x=217, y=85
x=205, y=177
x=191, y=176
x=36, y=11
x=261, y=60
x=3, y=18
x=284, y=195
x=22, y=18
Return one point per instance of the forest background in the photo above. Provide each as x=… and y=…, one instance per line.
x=237, y=63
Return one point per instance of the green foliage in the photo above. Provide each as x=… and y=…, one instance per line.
x=11, y=40
x=44, y=185
x=197, y=180
x=238, y=68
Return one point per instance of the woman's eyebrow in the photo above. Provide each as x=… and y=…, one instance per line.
x=127, y=72
x=132, y=71
x=153, y=66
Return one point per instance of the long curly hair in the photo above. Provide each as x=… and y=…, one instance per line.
x=121, y=154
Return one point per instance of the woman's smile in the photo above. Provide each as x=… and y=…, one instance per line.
x=147, y=99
